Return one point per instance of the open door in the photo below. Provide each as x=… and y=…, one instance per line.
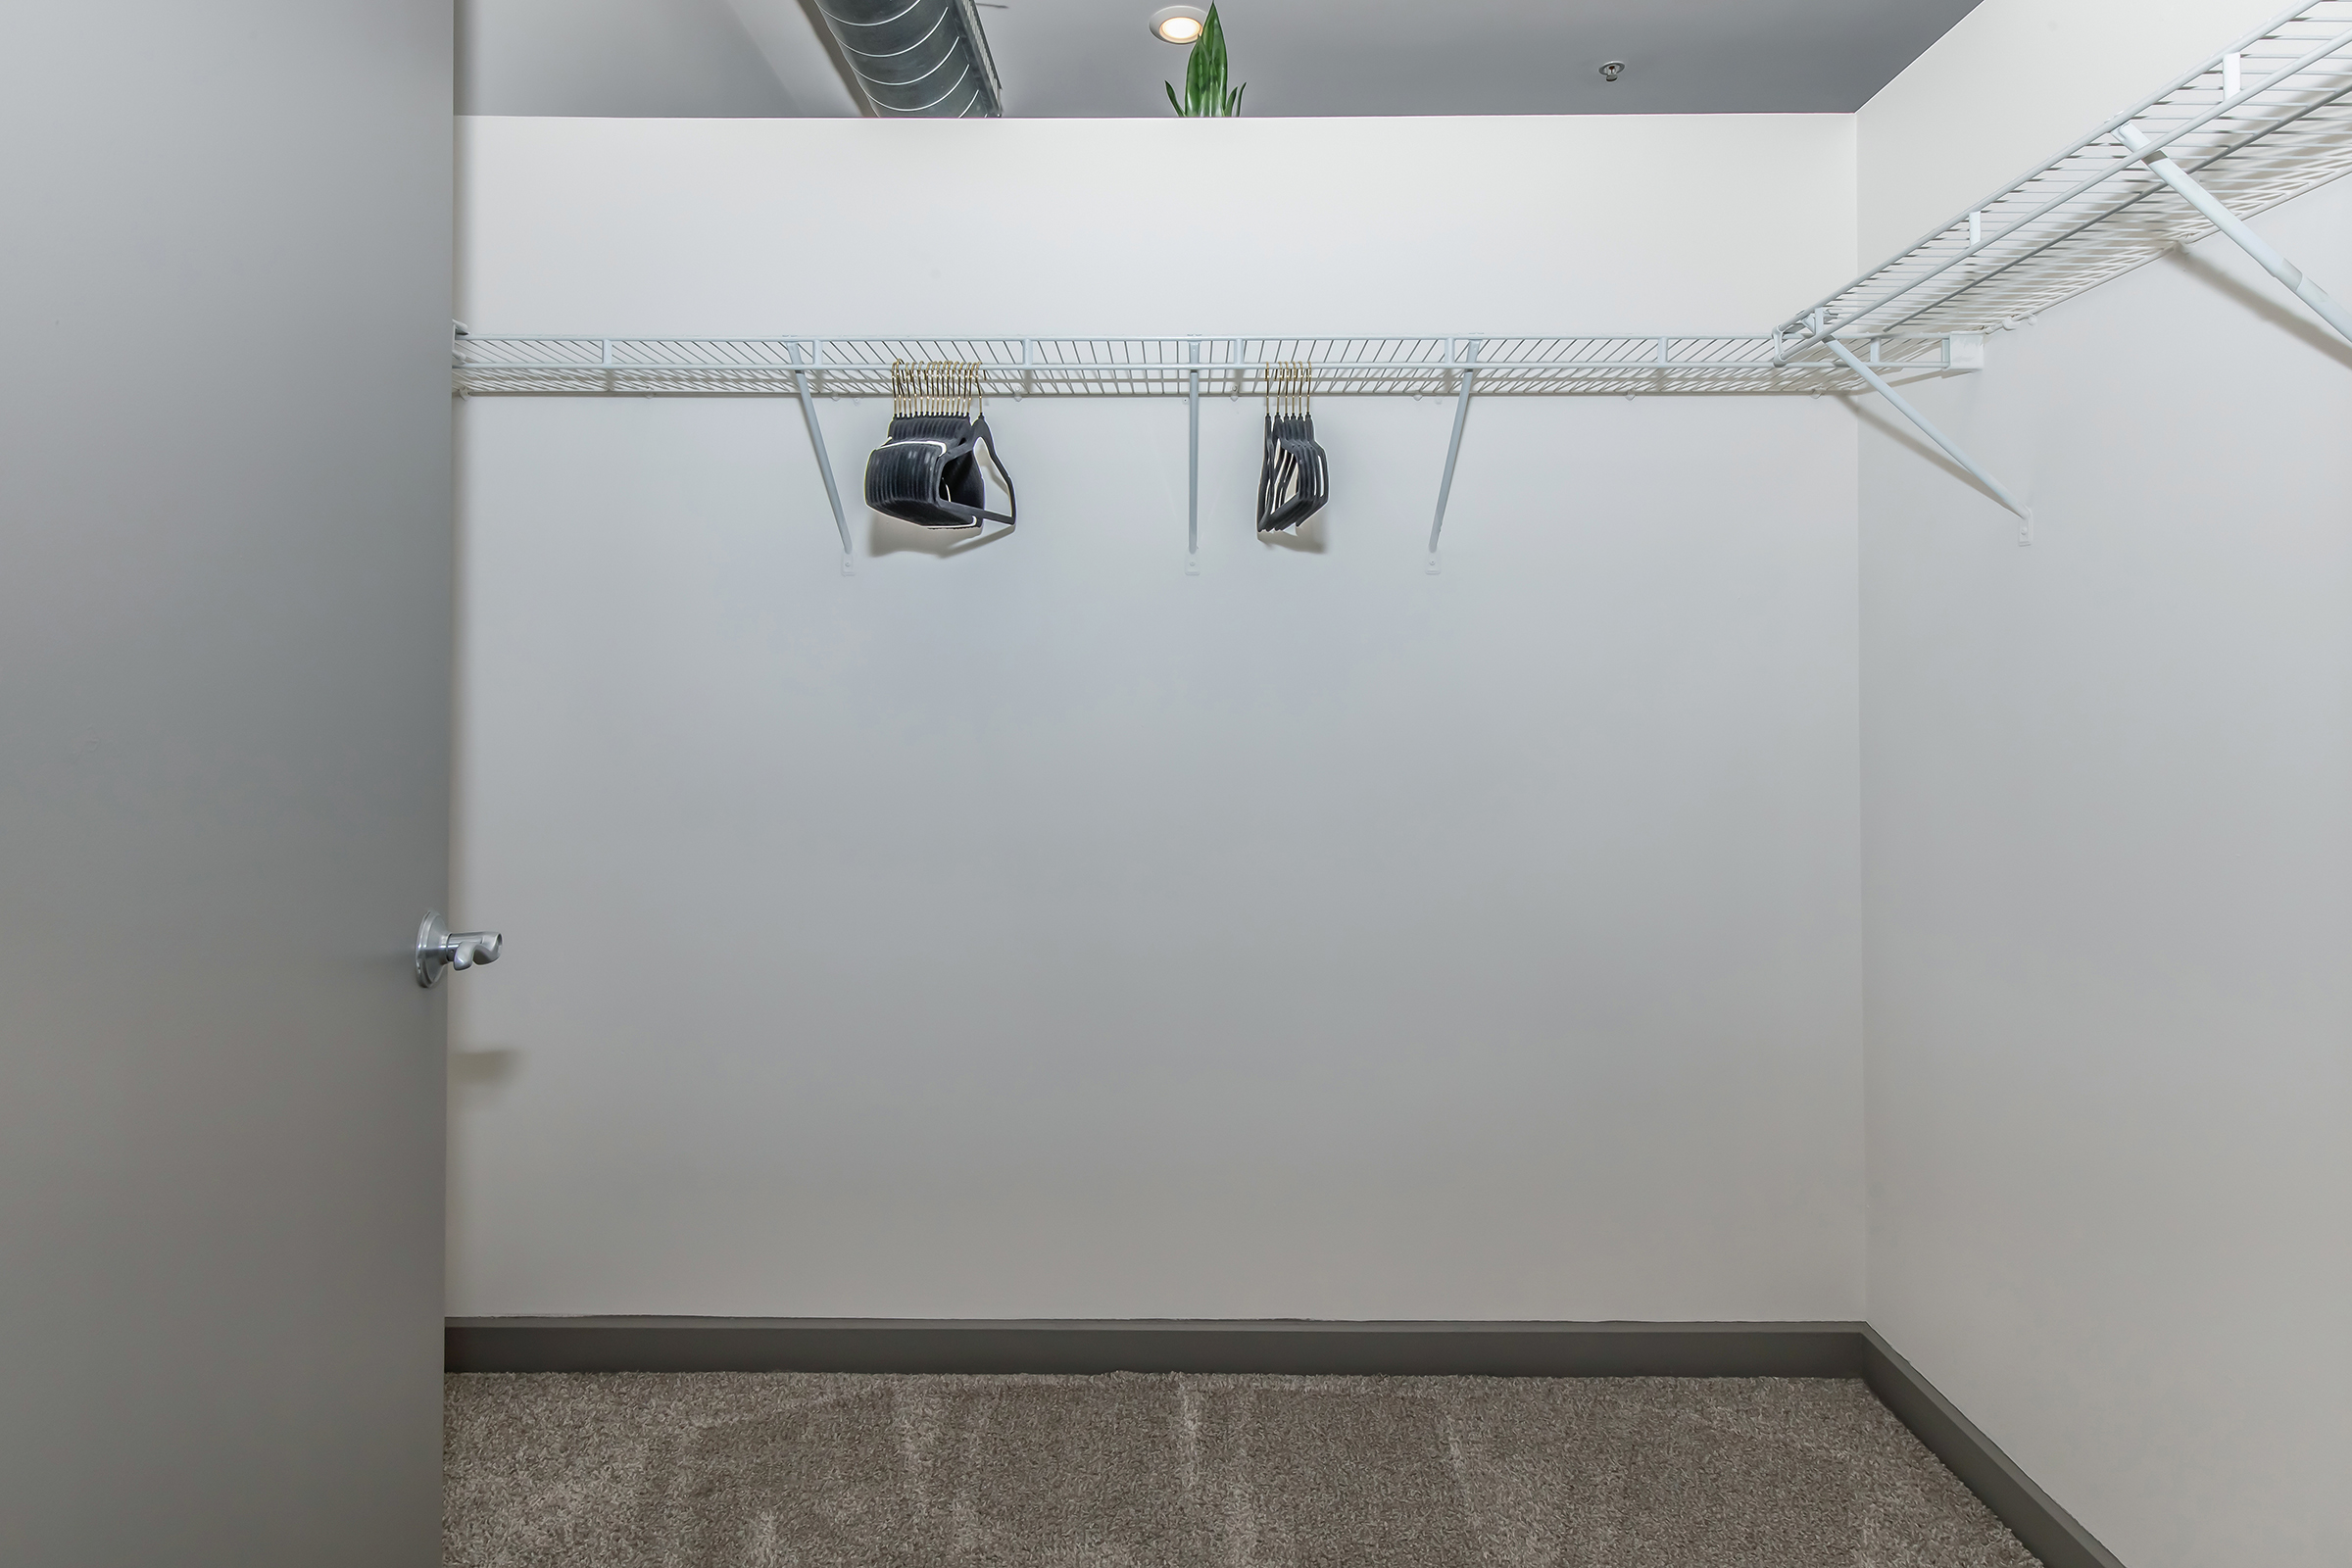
x=224, y=673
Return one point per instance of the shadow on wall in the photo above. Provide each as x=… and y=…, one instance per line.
x=491, y=1067
x=2264, y=303
x=886, y=535
x=1903, y=433
x=1308, y=538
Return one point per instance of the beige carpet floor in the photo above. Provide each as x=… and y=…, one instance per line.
x=1129, y=1471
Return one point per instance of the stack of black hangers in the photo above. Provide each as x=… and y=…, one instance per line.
x=1295, y=480
x=928, y=470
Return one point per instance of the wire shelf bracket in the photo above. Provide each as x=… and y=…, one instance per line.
x=2025, y=529
x=824, y=463
x=1454, y=448
x=2273, y=260
x=1191, y=502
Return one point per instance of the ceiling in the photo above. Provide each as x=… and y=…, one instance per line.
x=756, y=58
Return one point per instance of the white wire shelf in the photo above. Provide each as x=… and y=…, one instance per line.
x=2261, y=121
x=1110, y=366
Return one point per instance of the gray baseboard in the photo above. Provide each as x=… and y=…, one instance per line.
x=2048, y=1530
x=1295, y=1347
x=907, y=1344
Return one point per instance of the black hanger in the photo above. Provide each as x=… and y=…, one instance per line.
x=1266, y=465
x=927, y=470
x=1279, y=464
x=1295, y=480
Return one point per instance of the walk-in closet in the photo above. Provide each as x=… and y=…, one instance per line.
x=1062, y=785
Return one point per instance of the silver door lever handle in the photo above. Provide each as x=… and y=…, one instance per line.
x=438, y=947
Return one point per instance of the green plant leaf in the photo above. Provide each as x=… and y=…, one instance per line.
x=1205, y=74
x=1202, y=69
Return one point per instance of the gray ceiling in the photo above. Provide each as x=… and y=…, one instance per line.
x=1300, y=57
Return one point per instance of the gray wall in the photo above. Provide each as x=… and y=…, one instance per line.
x=1081, y=59
x=2106, y=851
x=225, y=554
x=682, y=58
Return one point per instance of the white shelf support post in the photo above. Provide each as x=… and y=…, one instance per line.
x=1192, y=503
x=824, y=463
x=1454, y=448
x=2161, y=164
x=1853, y=363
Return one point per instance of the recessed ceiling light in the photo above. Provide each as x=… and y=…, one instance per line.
x=1178, y=23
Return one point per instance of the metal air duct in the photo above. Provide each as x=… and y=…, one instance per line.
x=917, y=56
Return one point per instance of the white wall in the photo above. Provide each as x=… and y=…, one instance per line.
x=2106, y=852
x=1040, y=931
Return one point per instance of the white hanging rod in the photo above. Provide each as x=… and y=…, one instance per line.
x=1164, y=367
